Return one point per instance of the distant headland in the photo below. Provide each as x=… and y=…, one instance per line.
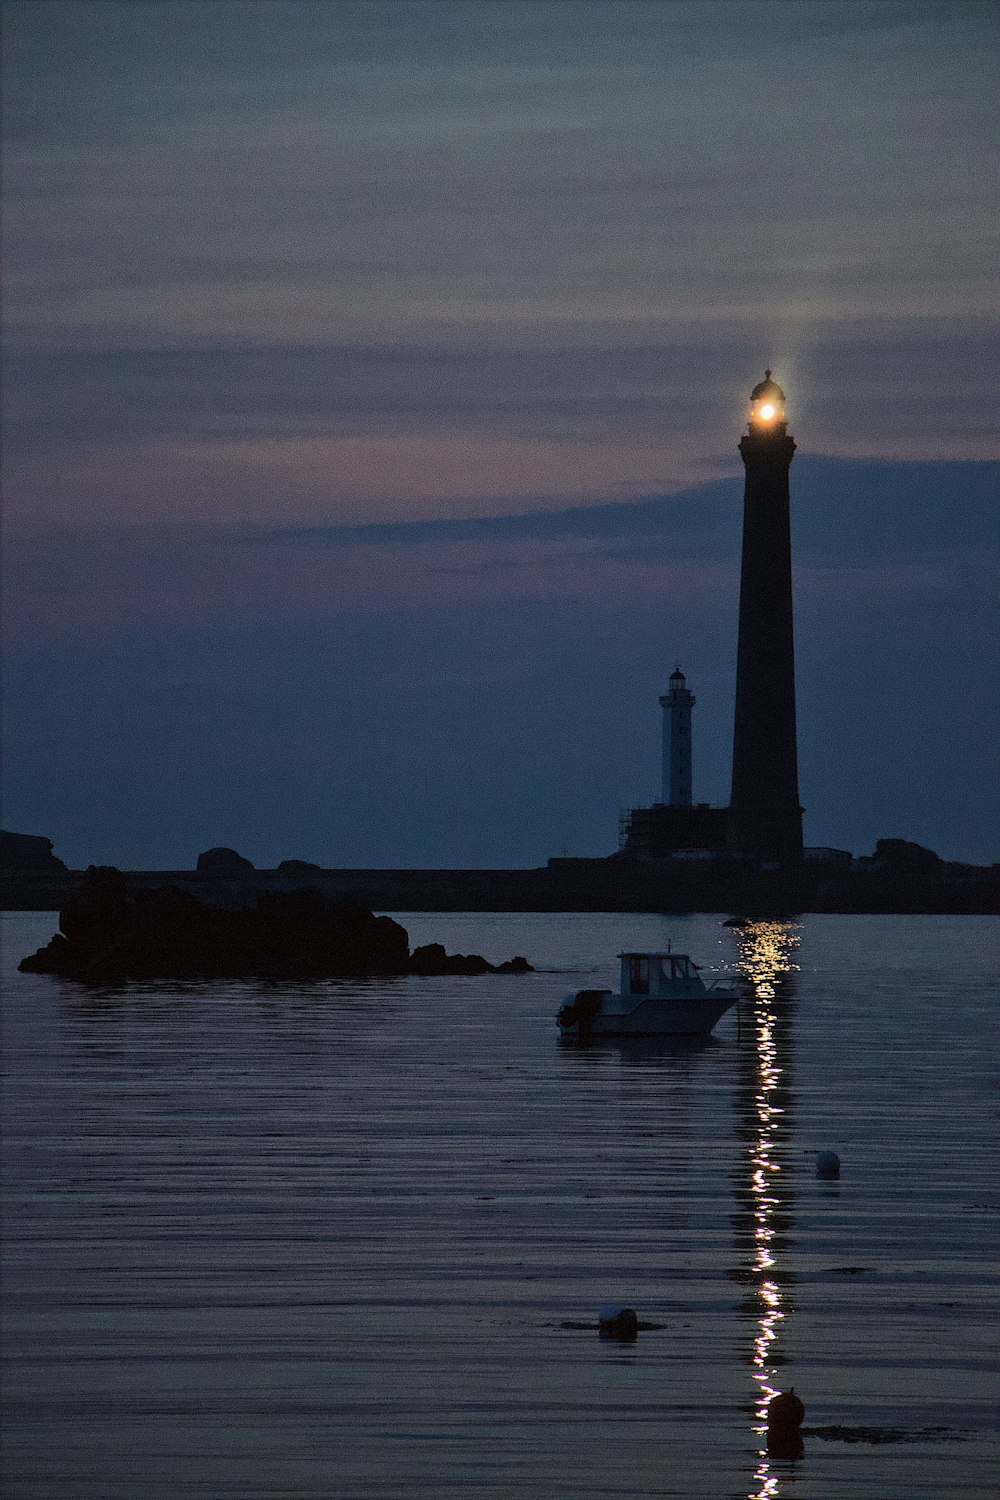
x=899, y=876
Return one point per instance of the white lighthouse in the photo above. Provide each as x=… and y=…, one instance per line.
x=677, y=704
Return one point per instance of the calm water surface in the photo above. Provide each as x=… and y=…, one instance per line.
x=322, y=1240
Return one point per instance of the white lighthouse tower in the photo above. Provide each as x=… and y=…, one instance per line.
x=677, y=704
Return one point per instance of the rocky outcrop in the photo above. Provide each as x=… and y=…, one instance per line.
x=28, y=854
x=902, y=855
x=223, y=864
x=167, y=933
x=432, y=959
x=31, y=877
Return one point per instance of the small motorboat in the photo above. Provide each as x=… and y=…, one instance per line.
x=662, y=994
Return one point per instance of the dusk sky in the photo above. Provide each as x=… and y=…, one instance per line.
x=373, y=376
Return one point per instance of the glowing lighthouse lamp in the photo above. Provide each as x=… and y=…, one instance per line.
x=767, y=407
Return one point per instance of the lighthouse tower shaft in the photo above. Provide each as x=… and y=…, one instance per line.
x=676, y=776
x=765, y=819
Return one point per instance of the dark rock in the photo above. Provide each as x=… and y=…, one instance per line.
x=516, y=965
x=28, y=854
x=99, y=909
x=223, y=864
x=900, y=855
x=167, y=933
x=295, y=867
x=469, y=964
x=432, y=959
x=428, y=959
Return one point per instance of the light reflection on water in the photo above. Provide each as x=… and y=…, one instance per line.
x=766, y=952
x=322, y=1240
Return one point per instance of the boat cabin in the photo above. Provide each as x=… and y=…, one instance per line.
x=655, y=973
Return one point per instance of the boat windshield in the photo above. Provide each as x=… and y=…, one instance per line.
x=672, y=968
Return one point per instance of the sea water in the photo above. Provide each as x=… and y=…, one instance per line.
x=339, y=1239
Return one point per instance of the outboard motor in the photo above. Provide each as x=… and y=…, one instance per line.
x=582, y=1012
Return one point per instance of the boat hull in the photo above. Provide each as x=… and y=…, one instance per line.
x=696, y=1016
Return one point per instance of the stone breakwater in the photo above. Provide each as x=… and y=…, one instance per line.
x=166, y=933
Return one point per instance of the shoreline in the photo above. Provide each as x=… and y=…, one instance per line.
x=611, y=885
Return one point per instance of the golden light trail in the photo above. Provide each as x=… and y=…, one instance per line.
x=766, y=950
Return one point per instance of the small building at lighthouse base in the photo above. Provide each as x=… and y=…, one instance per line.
x=664, y=831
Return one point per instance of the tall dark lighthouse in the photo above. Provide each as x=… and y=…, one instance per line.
x=765, y=819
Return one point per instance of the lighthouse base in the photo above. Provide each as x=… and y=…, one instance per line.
x=766, y=835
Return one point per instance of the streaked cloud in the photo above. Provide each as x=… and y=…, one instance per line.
x=373, y=377
x=485, y=690
x=747, y=180
x=875, y=529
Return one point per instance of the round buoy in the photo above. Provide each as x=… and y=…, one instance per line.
x=785, y=1412
x=828, y=1164
x=620, y=1323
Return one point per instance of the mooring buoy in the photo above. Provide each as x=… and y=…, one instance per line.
x=615, y=1322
